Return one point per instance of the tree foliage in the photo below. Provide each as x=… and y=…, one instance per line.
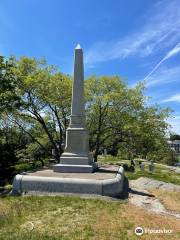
x=119, y=118
x=35, y=101
x=45, y=99
x=174, y=137
x=9, y=97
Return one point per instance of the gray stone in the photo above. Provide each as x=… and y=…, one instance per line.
x=148, y=184
x=64, y=168
x=151, y=167
x=142, y=166
x=76, y=157
x=105, y=152
x=25, y=183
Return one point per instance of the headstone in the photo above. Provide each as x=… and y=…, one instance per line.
x=141, y=166
x=76, y=157
x=105, y=151
x=53, y=152
x=151, y=167
x=135, y=162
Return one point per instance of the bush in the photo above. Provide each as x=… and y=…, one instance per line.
x=46, y=162
x=23, y=167
x=7, y=162
x=110, y=159
x=37, y=164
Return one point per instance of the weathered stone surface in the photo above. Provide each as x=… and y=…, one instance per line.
x=148, y=183
x=140, y=197
x=25, y=183
x=73, y=168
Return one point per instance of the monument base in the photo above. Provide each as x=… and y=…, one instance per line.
x=69, y=168
x=105, y=181
x=76, y=163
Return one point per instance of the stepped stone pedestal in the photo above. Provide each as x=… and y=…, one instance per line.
x=77, y=157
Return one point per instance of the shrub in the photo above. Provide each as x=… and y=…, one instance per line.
x=23, y=167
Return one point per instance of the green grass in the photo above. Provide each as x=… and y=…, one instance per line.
x=157, y=175
x=6, y=188
x=74, y=218
x=59, y=218
x=161, y=173
x=114, y=160
x=108, y=159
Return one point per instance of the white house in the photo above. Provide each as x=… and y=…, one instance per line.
x=175, y=145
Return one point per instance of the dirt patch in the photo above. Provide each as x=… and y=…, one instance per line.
x=170, y=199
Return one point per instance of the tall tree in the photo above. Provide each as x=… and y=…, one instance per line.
x=118, y=115
x=45, y=98
x=8, y=85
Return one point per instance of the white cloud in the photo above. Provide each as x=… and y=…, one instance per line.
x=160, y=31
x=168, y=55
x=174, y=98
x=175, y=124
x=164, y=75
x=173, y=51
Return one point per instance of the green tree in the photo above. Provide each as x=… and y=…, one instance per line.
x=35, y=102
x=118, y=117
x=9, y=98
x=45, y=99
x=110, y=108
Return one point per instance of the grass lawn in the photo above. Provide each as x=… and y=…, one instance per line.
x=71, y=218
x=158, y=174
x=161, y=173
x=75, y=218
x=171, y=200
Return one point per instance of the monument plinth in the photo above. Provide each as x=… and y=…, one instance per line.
x=76, y=157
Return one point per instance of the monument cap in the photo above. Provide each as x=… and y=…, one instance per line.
x=78, y=46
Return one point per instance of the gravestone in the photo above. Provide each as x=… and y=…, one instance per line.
x=105, y=151
x=53, y=152
x=151, y=167
x=76, y=157
x=142, y=166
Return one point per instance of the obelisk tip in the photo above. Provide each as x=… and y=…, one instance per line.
x=78, y=46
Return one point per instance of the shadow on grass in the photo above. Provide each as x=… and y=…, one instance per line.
x=5, y=192
x=126, y=190
x=140, y=193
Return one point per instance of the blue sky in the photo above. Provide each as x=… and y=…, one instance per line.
x=136, y=39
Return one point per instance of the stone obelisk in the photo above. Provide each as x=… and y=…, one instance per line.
x=77, y=157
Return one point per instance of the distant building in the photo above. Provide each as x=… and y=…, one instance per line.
x=175, y=145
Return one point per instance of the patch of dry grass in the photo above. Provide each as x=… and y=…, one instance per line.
x=141, y=217
x=76, y=218
x=170, y=199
